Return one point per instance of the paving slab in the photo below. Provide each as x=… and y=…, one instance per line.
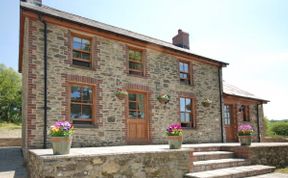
x=11, y=163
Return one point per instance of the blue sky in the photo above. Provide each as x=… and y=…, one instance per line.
x=250, y=35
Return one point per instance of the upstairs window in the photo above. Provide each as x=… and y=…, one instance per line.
x=184, y=72
x=187, y=116
x=136, y=65
x=81, y=51
x=81, y=104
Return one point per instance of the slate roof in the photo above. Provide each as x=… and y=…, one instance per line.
x=78, y=19
x=235, y=91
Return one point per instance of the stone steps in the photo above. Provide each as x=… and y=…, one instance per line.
x=233, y=172
x=217, y=164
x=202, y=156
x=214, y=163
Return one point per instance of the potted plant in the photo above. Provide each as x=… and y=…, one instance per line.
x=206, y=102
x=245, y=133
x=174, y=135
x=164, y=99
x=121, y=94
x=61, y=137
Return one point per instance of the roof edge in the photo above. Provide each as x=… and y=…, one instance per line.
x=251, y=98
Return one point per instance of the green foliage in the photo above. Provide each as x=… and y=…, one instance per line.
x=280, y=128
x=10, y=95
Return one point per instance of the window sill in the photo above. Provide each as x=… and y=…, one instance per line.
x=85, y=126
x=81, y=67
x=188, y=128
x=138, y=76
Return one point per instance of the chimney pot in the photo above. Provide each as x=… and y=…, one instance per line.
x=181, y=39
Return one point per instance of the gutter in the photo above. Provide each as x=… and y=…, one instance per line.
x=45, y=83
x=258, y=123
x=221, y=102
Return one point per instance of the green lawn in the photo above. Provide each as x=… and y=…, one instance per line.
x=283, y=170
x=5, y=125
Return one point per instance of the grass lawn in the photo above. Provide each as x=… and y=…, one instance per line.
x=5, y=125
x=283, y=170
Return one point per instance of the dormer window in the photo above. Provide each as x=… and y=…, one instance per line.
x=81, y=51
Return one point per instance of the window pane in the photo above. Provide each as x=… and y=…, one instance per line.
x=132, y=105
x=87, y=94
x=188, y=117
x=85, y=56
x=75, y=94
x=182, y=117
x=133, y=114
x=185, y=67
x=180, y=66
x=138, y=56
x=188, y=104
x=182, y=104
x=75, y=111
x=141, y=115
x=76, y=43
x=131, y=54
x=183, y=76
x=135, y=66
x=76, y=54
x=86, y=112
x=132, y=97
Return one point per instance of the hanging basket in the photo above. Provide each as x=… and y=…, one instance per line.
x=206, y=102
x=121, y=94
x=163, y=99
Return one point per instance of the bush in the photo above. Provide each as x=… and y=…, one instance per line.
x=280, y=128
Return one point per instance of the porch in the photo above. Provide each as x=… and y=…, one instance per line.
x=157, y=160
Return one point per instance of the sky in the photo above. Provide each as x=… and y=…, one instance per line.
x=250, y=35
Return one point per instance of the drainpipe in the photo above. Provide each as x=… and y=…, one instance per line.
x=45, y=83
x=258, y=123
x=221, y=101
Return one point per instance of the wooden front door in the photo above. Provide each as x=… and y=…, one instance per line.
x=230, y=124
x=137, y=118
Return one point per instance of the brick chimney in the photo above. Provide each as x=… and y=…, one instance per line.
x=181, y=39
x=35, y=2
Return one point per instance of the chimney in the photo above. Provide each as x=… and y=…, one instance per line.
x=181, y=39
x=35, y=2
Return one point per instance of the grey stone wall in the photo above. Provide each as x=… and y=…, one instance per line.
x=110, y=60
x=172, y=164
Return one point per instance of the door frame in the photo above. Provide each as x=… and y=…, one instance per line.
x=147, y=117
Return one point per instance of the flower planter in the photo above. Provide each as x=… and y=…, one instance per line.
x=61, y=145
x=245, y=140
x=175, y=142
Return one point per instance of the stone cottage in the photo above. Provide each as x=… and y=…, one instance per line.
x=72, y=66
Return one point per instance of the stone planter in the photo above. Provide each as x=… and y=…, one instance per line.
x=61, y=145
x=175, y=142
x=245, y=140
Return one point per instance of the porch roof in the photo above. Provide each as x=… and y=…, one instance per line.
x=237, y=92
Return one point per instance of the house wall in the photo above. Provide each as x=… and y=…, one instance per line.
x=109, y=73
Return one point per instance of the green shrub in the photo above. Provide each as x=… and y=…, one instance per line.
x=280, y=128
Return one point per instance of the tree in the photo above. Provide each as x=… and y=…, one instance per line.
x=10, y=95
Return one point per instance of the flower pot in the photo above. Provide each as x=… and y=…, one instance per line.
x=175, y=142
x=61, y=145
x=245, y=140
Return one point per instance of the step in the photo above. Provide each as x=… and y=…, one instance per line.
x=233, y=172
x=218, y=163
x=208, y=148
x=202, y=156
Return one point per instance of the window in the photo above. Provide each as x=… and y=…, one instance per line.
x=136, y=66
x=81, y=104
x=136, y=106
x=81, y=51
x=184, y=72
x=186, y=113
x=227, y=114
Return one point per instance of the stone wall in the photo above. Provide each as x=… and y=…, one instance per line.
x=141, y=165
x=110, y=60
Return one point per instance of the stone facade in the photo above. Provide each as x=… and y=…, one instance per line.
x=108, y=73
